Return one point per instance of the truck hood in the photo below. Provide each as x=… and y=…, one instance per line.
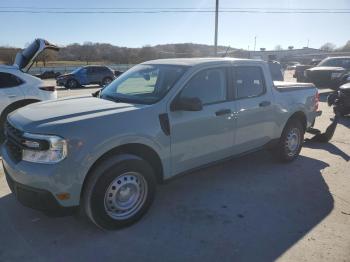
x=327, y=68
x=63, y=112
x=25, y=57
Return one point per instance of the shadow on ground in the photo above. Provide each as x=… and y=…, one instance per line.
x=345, y=121
x=247, y=209
x=329, y=147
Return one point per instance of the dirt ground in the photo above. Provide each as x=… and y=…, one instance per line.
x=247, y=209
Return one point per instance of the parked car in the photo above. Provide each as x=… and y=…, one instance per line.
x=87, y=75
x=276, y=71
x=291, y=65
x=48, y=74
x=18, y=88
x=341, y=100
x=117, y=73
x=159, y=119
x=330, y=72
x=299, y=72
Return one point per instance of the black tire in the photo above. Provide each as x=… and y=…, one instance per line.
x=96, y=194
x=72, y=84
x=106, y=81
x=283, y=150
x=2, y=127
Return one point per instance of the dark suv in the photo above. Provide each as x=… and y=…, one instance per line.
x=330, y=72
x=87, y=75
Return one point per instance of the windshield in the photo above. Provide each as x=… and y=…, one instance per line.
x=143, y=84
x=336, y=62
x=76, y=70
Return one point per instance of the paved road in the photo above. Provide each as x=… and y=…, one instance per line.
x=247, y=209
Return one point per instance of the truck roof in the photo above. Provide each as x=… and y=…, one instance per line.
x=196, y=61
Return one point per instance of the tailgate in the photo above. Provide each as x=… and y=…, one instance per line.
x=291, y=86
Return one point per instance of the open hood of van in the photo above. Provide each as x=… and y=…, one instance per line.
x=25, y=57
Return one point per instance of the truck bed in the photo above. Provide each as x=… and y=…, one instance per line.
x=291, y=86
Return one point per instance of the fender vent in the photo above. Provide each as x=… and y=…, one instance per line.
x=164, y=123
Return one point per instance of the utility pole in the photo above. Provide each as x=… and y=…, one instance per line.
x=308, y=41
x=216, y=28
x=254, y=43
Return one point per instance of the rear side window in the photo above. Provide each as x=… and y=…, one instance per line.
x=101, y=70
x=248, y=81
x=209, y=86
x=9, y=80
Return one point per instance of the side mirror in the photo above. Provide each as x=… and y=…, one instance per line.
x=187, y=104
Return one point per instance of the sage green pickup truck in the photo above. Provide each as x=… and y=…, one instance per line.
x=106, y=153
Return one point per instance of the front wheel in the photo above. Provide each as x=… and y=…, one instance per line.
x=119, y=192
x=72, y=84
x=290, y=143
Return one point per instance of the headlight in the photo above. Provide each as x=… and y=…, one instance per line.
x=45, y=149
x=335, y=75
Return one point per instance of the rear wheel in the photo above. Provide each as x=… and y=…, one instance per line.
x=106, y=81
x=119, y=192
x=290, y=143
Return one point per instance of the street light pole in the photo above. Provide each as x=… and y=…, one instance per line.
x=254, y=43
x=216, y=27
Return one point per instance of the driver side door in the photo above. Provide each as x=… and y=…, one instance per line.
x=201, y=137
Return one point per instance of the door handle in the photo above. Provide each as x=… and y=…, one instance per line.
x=11, y=96
x=223, y=112
x=265, y=103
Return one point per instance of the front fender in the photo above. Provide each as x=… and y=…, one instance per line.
x=101, y=149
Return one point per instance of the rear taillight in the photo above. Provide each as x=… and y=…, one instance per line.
x=48, y=88
x=317, y=100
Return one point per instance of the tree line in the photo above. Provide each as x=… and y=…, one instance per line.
x=107, y=53
x=99, y=52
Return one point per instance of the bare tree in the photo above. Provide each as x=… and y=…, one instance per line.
x=328, y=47
x=7, y=55
x=278, y=47
x=346, y=47
x=46, y=56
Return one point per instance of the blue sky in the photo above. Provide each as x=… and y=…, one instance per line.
x=136, y=30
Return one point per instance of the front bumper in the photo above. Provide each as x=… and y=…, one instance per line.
x=53, y=179
x=61, y=82
x=38, y=199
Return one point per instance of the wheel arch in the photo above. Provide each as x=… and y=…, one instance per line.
x=300, y=116
x=142, y=151
x=17, y=104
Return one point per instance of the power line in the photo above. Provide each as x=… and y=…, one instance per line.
x=176, y=8
x=150, y=11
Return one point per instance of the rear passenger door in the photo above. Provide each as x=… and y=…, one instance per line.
x=93, y=75
x=255, y=111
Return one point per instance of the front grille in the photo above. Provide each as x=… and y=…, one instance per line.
x=14, y=139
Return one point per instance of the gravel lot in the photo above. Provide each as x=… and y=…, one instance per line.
x=234, y=211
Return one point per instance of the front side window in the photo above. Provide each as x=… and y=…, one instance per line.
x=144, y=84
x=9, y=80
x=248, y=81
x=208, y=85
